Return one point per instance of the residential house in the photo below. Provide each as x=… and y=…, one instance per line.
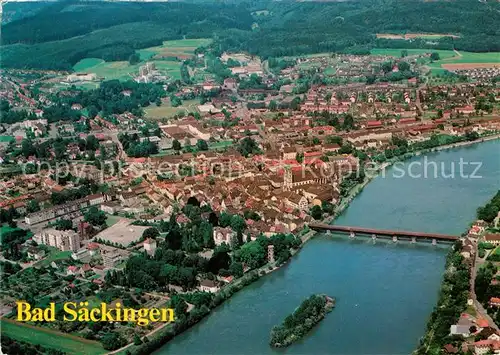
x=209, y=286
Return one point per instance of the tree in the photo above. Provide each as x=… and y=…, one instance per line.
x=95, y=217
x=387, y=67
x=201, y=144
x=404, y=53
x=112, y=341
x=236, y=269
x=219, y=260
x=63, y=224
x=213, y=219
x=176, y=145
x=252, y=254
x=403, y=66
x=151, y=232
x=248, y=146
x=32, y=206
x=272, y=105
x=134, y=59
x=238, y=223
x=435, y=56
x=316, y=212
x=137, y=339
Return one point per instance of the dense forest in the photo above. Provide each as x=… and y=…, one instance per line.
x=265, y=28
x=111, y=31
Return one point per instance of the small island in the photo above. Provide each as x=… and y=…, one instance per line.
x=302, y=320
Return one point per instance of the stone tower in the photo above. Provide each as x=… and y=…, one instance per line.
x=270, y=253
x=287, y=179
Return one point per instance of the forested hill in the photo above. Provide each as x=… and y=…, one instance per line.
x=62, y=33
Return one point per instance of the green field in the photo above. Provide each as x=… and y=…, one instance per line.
x=330, y=71
x=469, y=57
x=164, y=60
x=4, y=139
x=181, y=47
x=51, y=339
x=54, y=255
x=123, y=70
x=87, y=63
x=6, y=228
x=397, y=52
x=111, y=220
x=157, y=112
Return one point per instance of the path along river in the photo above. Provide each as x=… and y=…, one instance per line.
x=385, y=292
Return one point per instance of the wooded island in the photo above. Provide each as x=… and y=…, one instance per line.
x=302, y=320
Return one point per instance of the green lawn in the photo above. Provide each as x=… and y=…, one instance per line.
x=221, y=144
x=182, y=47
x=54, y=255
x=468, y=57
x=5, y=228
x=4, y=139
x=51, y=339
x=112, y=220
x=157, y=112
x=397, y=52
x=330, y=71
x=87, y=63
x=123, y=70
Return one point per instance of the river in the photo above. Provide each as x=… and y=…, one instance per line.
x=385, y=292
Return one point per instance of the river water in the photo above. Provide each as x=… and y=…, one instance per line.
x=385, y=292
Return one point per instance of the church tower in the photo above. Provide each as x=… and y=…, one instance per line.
x=287, y=179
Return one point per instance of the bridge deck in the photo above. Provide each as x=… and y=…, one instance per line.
x=385, y=232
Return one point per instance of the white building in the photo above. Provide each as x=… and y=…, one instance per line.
x=62, y=240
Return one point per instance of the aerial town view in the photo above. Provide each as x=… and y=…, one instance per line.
x=243, y=178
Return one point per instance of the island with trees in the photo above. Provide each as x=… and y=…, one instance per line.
x=311, y=311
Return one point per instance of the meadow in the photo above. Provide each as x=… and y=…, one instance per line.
x=163, y=56
x=164, y=111
x=54, y=255
x=395, y=52
x=182, y=49
x=50, y=338
x=122, y=70
x=7, y=139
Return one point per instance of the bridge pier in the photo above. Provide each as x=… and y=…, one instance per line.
x=394, y=238
x=413, y=239
x=374, y=237
x=328, y=232
x=434, y=242
x=352, y=235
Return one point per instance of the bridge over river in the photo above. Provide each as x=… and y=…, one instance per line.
x=387, y=233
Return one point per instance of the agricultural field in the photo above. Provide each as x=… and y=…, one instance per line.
x=164, y=111
x=51, y=339
x=166, y=57
x=408, y=36
x=181, y=49
x=123, y=70
x=394, y=52
x=469, y=60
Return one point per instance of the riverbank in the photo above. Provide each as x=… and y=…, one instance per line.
x=452, y=303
